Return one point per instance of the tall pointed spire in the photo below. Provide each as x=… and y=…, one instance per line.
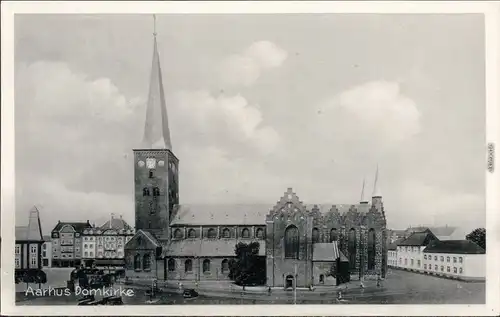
x=156, y=130
x=34, y=226
x=364, y=199
x=376, y=186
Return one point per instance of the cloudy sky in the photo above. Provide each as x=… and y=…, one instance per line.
x=257, y=103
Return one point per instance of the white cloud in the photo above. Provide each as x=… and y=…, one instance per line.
x=266, y=54
x=56, y=89
x=370, y=118
x=223, y=121
x=245, y=68
x=64, y=124
x=57, y=202
x=83, y=131
x=210, y=175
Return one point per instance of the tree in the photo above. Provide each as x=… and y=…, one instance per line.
x=478, y=236
x=248, y=268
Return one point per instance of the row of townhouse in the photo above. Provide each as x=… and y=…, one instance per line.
x=71, y=244
x=424, y=252
x=80, y=243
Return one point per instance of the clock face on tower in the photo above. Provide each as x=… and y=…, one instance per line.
x=150, y=163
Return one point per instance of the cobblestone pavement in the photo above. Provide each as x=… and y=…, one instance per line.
x=400, y=287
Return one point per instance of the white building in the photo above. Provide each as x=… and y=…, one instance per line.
x=410, y=251
x=104, y=246
x=392, y=255
x=47, y=251
x=88, y=246
x=460, y=259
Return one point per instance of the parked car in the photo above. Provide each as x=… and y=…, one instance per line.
x=120, y=273
x=190, y=293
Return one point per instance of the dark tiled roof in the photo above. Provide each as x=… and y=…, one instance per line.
x=243, y=214
x=208, y=248
x=78, y=226
x=117, y=224
x=238, y=214
x=392, y=246
x=454, y=246
x=150, y=237
x=418, y=239
x=444, y=231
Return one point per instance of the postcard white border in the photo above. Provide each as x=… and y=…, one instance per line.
x=489, y=9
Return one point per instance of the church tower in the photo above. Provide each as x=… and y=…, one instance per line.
x=155, y=165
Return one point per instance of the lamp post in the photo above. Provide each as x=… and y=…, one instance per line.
x=295, y=286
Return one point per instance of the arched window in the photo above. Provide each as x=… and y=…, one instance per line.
x=137, y=262
x=226, y=233
x=146, y=262
x=333, y=235
x=224, y=266
x=245, y=233
x=145, y=191
x=192, y=233
x=315, y=235
x=188, y=266
x=371, y=249
x=171, y=265
x=260, y=233
x=156, y=191
x=322, y=279
x=351, y=245
x=150, y=174
x=206, y=266
x=211, y=233
x=178, y=234
x=292, y=242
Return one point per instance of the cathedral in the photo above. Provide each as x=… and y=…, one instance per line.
x=303, y=244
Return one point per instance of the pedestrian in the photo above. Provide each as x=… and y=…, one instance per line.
x=269, y=290
x=378, y=280
x=339, y=296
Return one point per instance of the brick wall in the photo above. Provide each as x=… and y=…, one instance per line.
x=159, y=220
x=197, y=273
